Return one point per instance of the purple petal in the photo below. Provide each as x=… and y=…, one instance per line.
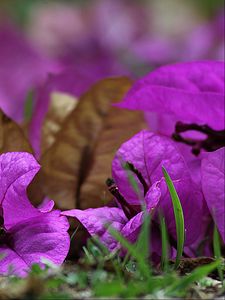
x=46, y=205
x=193, y=208
x=11, y=263
x=95, y=220
x=132, y=228
x=190, y=92
x=148, y=153
x=40, y=237
x=17, y=169
x=213, y=186
x=22, y=69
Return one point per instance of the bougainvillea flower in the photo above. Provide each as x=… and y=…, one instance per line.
x=213, y=186
x=147, y=153
x=187, y=92
x=21, y=70
x=28, y=234
x=184, y=94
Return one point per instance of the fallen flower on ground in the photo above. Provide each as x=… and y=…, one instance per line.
x=28, y=234
x=147, y=153
x=184, y=101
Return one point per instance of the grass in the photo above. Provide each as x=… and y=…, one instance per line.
x=179, y=216
x=102, y=274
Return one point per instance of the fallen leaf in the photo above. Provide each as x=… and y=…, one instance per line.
x=12, y=137
x=60, y=106
x=119, y=126
x=76, y=165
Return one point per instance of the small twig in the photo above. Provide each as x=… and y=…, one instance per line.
x=131, y=167
x=113, y=189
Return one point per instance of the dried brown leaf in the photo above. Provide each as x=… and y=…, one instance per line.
x=84, y=147
x=61, y=105
x=12, y=137
x=119, y=126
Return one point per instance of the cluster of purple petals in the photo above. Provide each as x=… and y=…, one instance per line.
x=190, y=92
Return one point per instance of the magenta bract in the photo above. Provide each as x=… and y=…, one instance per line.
x=148, y=153
x=212, y=171
x=27, y=233
x=187, y=92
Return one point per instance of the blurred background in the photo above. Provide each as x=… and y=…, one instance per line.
x=99, y=38
x=136, y=34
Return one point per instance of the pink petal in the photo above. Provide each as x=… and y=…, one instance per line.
x=95, y=220
x=191, y=92
x=213, y=186
x=17, y=169
x=39, y=237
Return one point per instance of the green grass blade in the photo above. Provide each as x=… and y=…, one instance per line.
x=143, y=242
x=29, y=105
x=183, y=283
x=217, y=252
x=179, y=216
x=132, y=249
x=165, y=243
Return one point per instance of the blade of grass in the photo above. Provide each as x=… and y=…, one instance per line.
x=143, y=242
x=132, y=249
x=217, y=252
x=74, y=233
x=28, y=107
x=164, y=238
x=179, y=216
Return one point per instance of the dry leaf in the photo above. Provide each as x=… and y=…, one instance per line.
x=12, y=137
x=75, y=167
x=60, y=106
x=119, y=126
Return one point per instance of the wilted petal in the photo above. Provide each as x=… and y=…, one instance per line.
x=40, y=237
x=213, y=186
x=17, y=169
x=96, y=221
